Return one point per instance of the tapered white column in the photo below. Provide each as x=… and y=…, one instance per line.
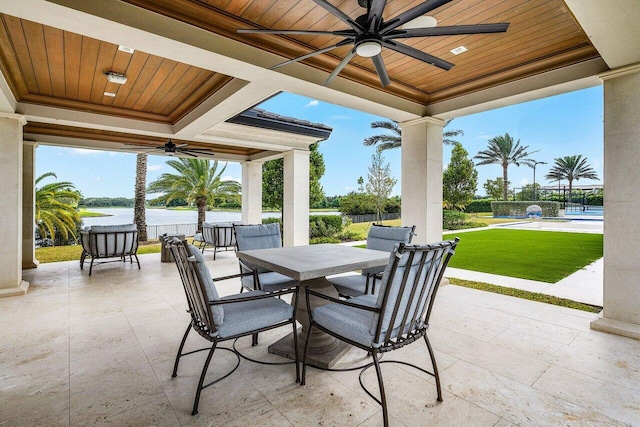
x=11, y=155
x=28, y=205
x=422, y=178
x=252, y=192
x=621, y=314
x=296, y=198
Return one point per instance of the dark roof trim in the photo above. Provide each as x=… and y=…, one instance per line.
x=257, y=117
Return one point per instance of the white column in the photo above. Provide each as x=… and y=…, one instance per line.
x=621, y=314
x=296, y=198
x=422, y=178
x=28, y=205
x=11, y=282
x=252, y=192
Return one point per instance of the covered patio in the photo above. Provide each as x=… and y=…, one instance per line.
x=99, y=350
x=78, y=350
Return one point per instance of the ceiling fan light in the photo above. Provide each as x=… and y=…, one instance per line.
x=424, y=21
x=369, y=49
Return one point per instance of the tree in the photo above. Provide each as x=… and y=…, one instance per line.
x=139, y=216
x=198, y=181
x=571, y=168
x=380, y=182
x=56, y=208
x=394, y=139
x=494, y=188
x=460, y=179
x=504, y=152
x=273, y=180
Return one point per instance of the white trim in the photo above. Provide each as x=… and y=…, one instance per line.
x=21, y=119
x=619, y=72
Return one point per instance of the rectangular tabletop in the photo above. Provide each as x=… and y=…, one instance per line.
x=314, y=261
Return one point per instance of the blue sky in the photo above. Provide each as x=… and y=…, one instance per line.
x=557, y=126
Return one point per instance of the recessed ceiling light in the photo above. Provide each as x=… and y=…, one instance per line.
x=114, y=77
x=458, y=50
x=111, y=94
x=126, y=49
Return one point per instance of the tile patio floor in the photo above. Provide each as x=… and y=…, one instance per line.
x=80, y=351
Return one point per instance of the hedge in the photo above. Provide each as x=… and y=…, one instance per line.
x=319, y=225
x=480, y=205
x=519, y=209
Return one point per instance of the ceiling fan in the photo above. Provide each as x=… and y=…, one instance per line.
x=369, y=33
x=171, y=149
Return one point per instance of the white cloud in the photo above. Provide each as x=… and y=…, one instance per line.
x=155, y=167
x=85, y=152
x=313, y=103
x=342, y=117
x=524, y=181
x=349, y=189
x=98, y=178
x=483, y=136
x=230, y=178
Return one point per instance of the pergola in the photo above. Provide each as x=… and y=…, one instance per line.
x=191, y=72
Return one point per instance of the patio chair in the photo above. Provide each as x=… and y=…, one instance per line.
x=260, y=236
x=220, y=319
x=381, y=238
x=397, y=316
x=219, y=236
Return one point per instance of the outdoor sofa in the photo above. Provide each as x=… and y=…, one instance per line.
x=109, y=241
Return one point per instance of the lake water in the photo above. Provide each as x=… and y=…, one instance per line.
x=162, y=216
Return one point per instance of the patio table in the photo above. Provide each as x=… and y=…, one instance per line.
x=309, y=265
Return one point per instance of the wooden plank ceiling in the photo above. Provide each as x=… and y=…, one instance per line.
x=49, y=66
x=543, y=36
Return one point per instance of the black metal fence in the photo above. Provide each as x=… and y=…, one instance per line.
x=373, y=217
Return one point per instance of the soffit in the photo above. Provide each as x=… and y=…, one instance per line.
x=543, y=36
x=48, y=66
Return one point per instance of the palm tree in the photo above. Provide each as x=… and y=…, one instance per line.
x=571, y=168
x=198, y=181
x=139, y=216
x=394, y=140
x=56, y=205
x=503, y=151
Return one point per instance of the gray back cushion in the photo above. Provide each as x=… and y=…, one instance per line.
x=209, y=286
x=259, y=236
x=110, y=244
x=385, y=239
x=394, y=288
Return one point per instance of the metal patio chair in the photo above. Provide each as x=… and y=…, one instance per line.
x=381, y=238
x=260, y=236
x=397, y=316
x=220, y=319
x=218, y=236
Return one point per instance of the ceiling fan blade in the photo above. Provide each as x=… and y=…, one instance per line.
x=418, y=54
x=187, y=152
x=410, y=14
x=181, y=145
x=448, y=31
x=314, y=53
x=341, y=33
x=197, y=151
x=340, y=66
x=381, y=69
x=339, y=14
x=374, y=17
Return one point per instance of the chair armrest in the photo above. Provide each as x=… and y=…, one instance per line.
x=339, y=301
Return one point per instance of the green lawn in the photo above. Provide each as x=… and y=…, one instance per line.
x=545, y=256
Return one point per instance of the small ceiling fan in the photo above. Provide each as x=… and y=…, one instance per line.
x=369, y=33
x=172, y=149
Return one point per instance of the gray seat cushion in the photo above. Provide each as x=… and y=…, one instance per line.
x=246, y=316
x=351, y=285
x=269, y=282
x=349, y=322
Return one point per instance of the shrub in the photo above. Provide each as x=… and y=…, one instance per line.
x=479, y=205
x=453, y=220
x=519, y=209
x=324, y=225
x=318, y=240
